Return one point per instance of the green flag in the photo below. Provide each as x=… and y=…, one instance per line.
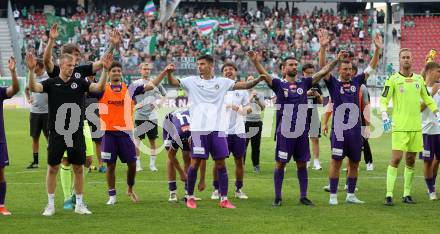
x=151, y=43
x=66, y=27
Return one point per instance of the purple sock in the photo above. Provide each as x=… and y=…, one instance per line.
x=430, y=184
x=351, y=184
x=303, y=181
x=334, y=185
x=278, y=177
x=192, y=178
x=238, y=185
x=112, y=192
x=2, y=192
x=215, y=184
x=223, y=181
x=172, y=186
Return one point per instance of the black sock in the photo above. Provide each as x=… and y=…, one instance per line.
x=36, y=158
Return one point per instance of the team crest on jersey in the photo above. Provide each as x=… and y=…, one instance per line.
x=353, y=89
x=237, y=94
x=341, y=90
x=73, y=86
x=401, y=89
x=77, y=75
x=417, y=85
x=300, y=91
x=217, y=86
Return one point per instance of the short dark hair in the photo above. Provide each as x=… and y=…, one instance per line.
x=69, y=48
x=289, y=58
x=345, y=61
x=115, y=64
x=308, y=66
x=229, y=64
x=429, y=66
x=206, y=57
x=40, y=62
x=355, y=68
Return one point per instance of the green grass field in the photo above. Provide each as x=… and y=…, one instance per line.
x=26, y=199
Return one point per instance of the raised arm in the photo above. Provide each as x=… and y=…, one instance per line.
x=27, y=93
x=154, y=83
x=47, y=56
x=99, y=87
x=428, y=100
x=172, y=80
x=375, y=60
x=251, y=83
x=115, y=40
x=323, y=43
x=31, y=62
x=256, y=60
x=14, y=88
x=325, y=71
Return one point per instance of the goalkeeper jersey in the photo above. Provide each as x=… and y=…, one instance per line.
x=406, y=93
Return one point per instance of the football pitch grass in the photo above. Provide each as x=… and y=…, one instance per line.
x=26, y=198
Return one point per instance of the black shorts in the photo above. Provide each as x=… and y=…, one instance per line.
x=57, y=146
x=149, y=127
x=313, y=123
x=95, y=131
x=38, y=123
x=176, y=146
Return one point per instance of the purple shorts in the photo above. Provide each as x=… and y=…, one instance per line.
x=237, y=145
x=431, y=147
x=286, y=148
x=116, y=144
x=205, y=143
x=4, y=158
x=351, y=146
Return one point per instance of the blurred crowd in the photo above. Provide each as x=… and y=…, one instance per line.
x=275, y=33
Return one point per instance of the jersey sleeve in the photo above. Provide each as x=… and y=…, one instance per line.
x=427, y=99
x=275, y=84
x=86, y=70
x=185, y=82
x=85, y=85
x=245, y=100
x=360, y=79
x=3, y=94
x=228, y=84
x=387, y=93
x=55, y=72
x=330, y=83
x=162, y=90
x=135, y=90
x=308, y=83
x=46, y=85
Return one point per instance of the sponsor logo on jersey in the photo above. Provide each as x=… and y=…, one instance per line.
x=300, y=91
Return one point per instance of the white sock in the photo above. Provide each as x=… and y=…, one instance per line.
x=350, y=194
x=223, y=198
x=333, y=195
x=152, y=159
x=113, y=198
x=316, y=162
x=79, y=199
x=51, y=199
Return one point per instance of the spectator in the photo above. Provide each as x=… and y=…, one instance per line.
x=394, y=32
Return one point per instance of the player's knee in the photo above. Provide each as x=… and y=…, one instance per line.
x=301, y=164
x=280, y=165
x=78, y=169
x=53, y=170
x=220, y=163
